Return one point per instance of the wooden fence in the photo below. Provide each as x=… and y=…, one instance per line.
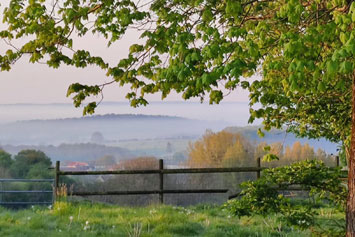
x=161, y=171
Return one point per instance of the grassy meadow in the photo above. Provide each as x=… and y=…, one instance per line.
x=86, y=219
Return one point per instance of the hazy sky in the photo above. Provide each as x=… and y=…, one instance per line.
x=37, y=83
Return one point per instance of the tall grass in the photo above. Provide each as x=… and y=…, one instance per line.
x=86, y=219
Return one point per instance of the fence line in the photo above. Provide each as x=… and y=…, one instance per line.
x=165, y=171
x=161, y=171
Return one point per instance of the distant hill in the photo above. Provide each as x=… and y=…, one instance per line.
x=75, y=152
x=276, y=135
x=113, y=127
x=108, y=117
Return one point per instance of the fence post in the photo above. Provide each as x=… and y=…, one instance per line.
x=56, y=180
x=337, y=161
x=258, y=164
x=161, y=179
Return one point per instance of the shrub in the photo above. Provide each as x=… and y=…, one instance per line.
x=263, y=195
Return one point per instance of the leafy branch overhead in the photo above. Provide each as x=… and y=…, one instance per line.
x=303, y=51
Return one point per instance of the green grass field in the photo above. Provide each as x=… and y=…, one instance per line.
x=85, y=219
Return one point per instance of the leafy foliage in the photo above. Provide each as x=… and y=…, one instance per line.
x=299, y=216
x=5, y=159
x=263, y=196
x=31, y=164
x=270, y=157
x=307, y=76
x=201, y=48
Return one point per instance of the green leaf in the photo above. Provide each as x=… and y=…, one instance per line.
x=346, y=67
x=233, y=8
x=267, y=148
x=89, y=108
x=207, y=15
x=332, y=67
x=270, y=157
x=260, y=133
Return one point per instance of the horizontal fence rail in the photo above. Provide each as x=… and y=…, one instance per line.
x=27, y=180
x=165, y=171
x=26, y=203
x=27, y=191
x=149, y=192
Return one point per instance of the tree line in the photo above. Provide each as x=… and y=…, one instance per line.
x=28, y=164
x=226, y=149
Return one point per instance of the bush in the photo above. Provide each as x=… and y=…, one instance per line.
x=263, y=195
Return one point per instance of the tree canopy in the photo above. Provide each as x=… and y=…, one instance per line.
x=226, y=149
x=5, y=159
x=31, y=164
x=307, y=77
x=303, y=50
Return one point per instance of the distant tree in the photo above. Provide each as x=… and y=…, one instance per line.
x=307, y=152
x=5, y=163
x=5, y=159
x=106, y=161
x=221, y=149
x=97, y=137
x=4, y=173
x=210, y=151
x=146, y=162
x=288, y=153
x=299, y=152
x=39, y=171
x=237, y=155
x=296, y=150
x=25, y=160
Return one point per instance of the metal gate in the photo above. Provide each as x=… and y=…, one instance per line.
x=10, y=197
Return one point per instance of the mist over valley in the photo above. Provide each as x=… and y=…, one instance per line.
x=130, y=135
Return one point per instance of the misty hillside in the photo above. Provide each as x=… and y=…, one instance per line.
x=281, y=136
x=75, y=152
x=126, y=136
x=112, y=127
